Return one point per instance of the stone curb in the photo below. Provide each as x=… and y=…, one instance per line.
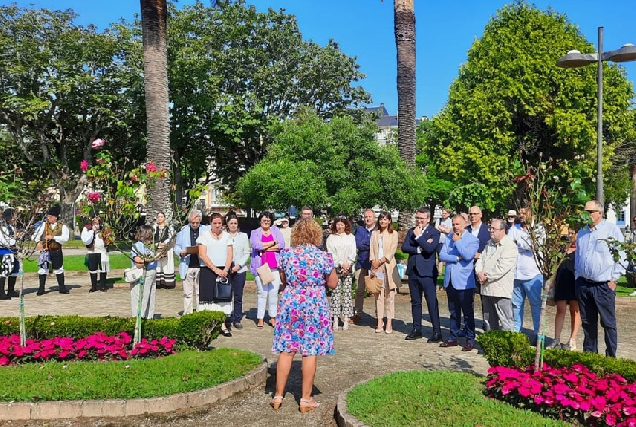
x=130, y=407
x=343, y=417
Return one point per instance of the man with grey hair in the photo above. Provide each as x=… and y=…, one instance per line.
x=596, y=275
x=186, y=249
x=495, y=271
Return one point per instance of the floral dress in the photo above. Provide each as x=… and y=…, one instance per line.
x=303, y=324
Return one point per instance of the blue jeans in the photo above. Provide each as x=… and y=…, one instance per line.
x=461, y=301
x=532, y=289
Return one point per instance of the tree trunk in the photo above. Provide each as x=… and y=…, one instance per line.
x=404, y=25
x=632, y=198
x=548, y=282
x=154, y=15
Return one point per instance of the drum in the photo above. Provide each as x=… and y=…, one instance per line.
x=7, y=262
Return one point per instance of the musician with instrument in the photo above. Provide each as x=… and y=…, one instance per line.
x=97, y=238
x=9, y=264
x=50, y=236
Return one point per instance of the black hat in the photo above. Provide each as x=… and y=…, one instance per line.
x=55, y=210
x=8, y=214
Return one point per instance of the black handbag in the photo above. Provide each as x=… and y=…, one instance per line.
x=222, y=290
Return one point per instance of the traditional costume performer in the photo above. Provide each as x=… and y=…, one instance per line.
x=98, y=260
x=50, y=236
x=9, y=264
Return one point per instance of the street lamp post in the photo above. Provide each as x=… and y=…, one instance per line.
x=575, y=59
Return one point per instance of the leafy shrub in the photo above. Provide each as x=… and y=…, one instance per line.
x=505, y=348
x=192, y=330
x=502, y=348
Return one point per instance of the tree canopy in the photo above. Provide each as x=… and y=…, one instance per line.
x=335, y=164
x=511, y=104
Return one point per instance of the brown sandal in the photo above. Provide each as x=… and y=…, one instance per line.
x=307, y=405
x=276, y=402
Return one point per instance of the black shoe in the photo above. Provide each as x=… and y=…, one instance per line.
x=63, y=291
x=414, y=335
x=436, y=337
x=226, y=333
x=41, y=292
x=14, y=294
x=4, y=297
x=92, y=290
x=237, y=325
x=102, y=289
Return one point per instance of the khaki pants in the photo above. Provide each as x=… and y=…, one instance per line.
x=360, y=290
x=191, y=290
x=385, y=300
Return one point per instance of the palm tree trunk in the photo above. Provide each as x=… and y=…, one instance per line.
x=154, y=14
x=404, y=25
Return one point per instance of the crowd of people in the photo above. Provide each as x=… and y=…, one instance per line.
x=496, y=260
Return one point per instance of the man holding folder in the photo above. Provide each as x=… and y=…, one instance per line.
x=186, y=248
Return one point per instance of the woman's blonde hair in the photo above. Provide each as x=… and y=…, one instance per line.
x=306, y=230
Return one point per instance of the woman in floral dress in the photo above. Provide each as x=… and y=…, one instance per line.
x=304, y=319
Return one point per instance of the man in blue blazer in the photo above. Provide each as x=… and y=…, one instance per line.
x=458, y=253
x=421, y=244
x=480, y=230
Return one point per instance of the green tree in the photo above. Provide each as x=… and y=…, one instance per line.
x=60, y=88
x=511, y=104
x=335, y=165
x=234, y=73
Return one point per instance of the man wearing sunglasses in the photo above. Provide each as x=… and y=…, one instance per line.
x=596, y=275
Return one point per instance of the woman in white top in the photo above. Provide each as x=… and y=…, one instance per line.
x=215, y=254
x=98, y=261
x=341, y=244
x=164, y=239
x=241, y=252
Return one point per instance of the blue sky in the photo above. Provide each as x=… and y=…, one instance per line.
x=364, y=28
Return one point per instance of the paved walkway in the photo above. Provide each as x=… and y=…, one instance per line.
x=361, y=354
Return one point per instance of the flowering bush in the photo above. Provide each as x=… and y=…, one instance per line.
x=571, y=394
x=98, y=346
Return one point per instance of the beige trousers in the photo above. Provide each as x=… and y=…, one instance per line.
x=385, y=300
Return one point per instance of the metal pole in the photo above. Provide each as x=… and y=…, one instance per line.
x=600, y=196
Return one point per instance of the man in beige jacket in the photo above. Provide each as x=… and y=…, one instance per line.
x=495, y=270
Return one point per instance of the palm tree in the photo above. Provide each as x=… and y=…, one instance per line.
x=404, y=22
x=154, y=23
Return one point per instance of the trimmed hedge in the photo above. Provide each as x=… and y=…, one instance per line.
x=503, y=348
x=196, y=330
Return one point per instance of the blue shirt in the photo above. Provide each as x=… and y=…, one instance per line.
x=593, y=258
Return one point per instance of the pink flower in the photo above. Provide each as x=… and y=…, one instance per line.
x=98, y=143
x=94, y=197
x=84, y=165
x=151, y=167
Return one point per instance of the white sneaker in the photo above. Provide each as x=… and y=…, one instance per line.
x=335, y=324
x=345, y=326
x=633, y=294
x=572, y=345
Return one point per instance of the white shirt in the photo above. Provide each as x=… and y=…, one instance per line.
x=342, y=248
x=216, y=249
x=37, y=236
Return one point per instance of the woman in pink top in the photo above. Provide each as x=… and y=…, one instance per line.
x=266, y=242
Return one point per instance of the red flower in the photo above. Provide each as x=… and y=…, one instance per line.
x=151, y=167
x=94, y=197
x=84, y=165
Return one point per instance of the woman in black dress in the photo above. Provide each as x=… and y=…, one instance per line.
x=564, y=294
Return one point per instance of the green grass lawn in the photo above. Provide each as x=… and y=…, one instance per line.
x=435, y=399
x=186, y=371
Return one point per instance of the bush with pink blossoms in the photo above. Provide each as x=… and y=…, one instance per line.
x=98, y=346
x=573, y=394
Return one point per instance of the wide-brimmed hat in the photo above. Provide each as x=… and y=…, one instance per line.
x=8, y=213
x=277, y=222
x=512, y=212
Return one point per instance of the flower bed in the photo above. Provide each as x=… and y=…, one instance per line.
x=98, y=346
x=573, y=394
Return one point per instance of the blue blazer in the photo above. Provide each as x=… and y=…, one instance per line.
x=461, y=272
x=483, y=235
x=423, y=264
x=183, y=241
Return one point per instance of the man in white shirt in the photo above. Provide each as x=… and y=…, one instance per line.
x=50, y=237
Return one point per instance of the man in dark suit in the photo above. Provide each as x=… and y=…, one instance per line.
x=480, y=230
x=421, y=244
